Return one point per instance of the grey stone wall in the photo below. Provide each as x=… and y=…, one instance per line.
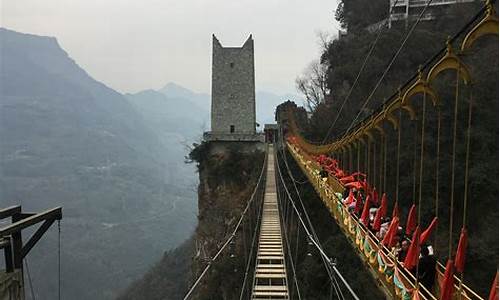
x=233, y=88
x=235, y=137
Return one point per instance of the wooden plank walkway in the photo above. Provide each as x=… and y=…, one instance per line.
x=270, y=280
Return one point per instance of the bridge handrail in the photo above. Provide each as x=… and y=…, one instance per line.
x=393, y=102
x=324, y=188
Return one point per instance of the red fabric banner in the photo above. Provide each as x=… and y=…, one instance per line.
x=395, y=211
x=427, y=233
x=416, y=295
x=350, y=198
x=494, y=289
x=359, y=204
x=381, y=212
x=346, y=179
x=411, y=259
x=411, y=222
x=392, y=231
x=462, y=247
x=447, y=284
x=365, y=216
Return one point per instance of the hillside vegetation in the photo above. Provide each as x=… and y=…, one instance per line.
x=227, y=180
x=343, y=59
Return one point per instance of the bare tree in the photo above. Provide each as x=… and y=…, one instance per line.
x=312, y=84
x=324, y=39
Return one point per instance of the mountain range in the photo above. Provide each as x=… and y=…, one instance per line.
x=115, y=162
x=69, y=140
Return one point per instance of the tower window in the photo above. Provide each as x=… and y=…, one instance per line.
x=231, y=128
x=231, y=65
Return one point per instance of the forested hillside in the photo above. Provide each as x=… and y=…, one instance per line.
x=343, y=58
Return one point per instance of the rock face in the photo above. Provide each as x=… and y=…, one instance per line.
x=228, y=173
x=228, y=176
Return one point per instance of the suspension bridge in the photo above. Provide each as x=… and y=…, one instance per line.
x=270, y=278
x=361, y=170
x=356, y=172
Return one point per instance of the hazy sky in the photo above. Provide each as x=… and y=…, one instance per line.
x=134, y=45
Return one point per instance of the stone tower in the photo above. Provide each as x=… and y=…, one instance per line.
x=233, y=92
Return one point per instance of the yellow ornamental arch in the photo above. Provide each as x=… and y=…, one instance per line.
x=390, y=117
x=408, y=108
x=342, y=148
x=368, y=134
x=487, y=26
x=388, y=111
x=379, y=128
x=349, y=143
x=358, y=135
x=418, y=87
x=449, y=61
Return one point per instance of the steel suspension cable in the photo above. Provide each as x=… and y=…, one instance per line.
x=385, y=163
x=254, y=238
x=28, y=274
x=415, y=145
x=244, y=240
x=359, y=154
x=351, y=167
x=400, y=123
x=314, y=241
x=453, y=157
x=59, y=259
x=231, y=236
x=388, y=66
x=438, y=150
x=466, y=179
x=381, y=163
x=326, y=262
x=365, y=62
x=467, y=154
x=422, y=146
x=422, y=151
x=478, y=15
x=367, y=159
x=297, y=241
x=294, y=180
x=292, y=263
x=314, y=235
x=374, y=171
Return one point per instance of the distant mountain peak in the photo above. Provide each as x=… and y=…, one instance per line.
x=5, y=32
x=172, y=88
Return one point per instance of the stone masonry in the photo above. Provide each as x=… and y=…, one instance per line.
x=233, y=93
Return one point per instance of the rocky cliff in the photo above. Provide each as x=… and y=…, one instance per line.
x=228, y=174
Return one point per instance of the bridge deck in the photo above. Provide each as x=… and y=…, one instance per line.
x=270, y=281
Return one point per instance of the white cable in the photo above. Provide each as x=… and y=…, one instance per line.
x=254, y=238
x=315, y=243
x=195, y=284
x=381, y=29
x=337, y=288
x=388, y=67
x=290, y=255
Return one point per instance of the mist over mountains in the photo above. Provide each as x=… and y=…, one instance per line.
x=114, y=162
x=266, y=102
x=67, y=139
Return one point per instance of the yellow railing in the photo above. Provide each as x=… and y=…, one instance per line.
x=395, y=279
